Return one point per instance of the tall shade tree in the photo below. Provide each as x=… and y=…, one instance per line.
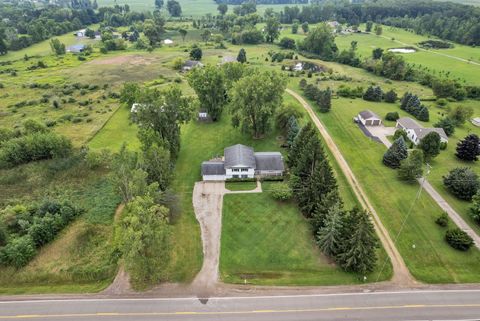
x=183, y=33
x=412, y=167
x=146, y=240
x=430, y=144
x=254, y=99
x=174, y=8
x=222, y=8
x=359, y=251
x=209, y=85
x=153, y=30
x=468, y=148
x=163, y=112
x=232, y=73
x=272, y=29
x=321, y=42
x=3, y=47
x=129, y=94
x=57, y=47
x=462, y=182
x=396, y=153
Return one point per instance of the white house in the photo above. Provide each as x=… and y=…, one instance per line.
x=241, y=161
x=369, y=118
x=203, y=114
x=168, y=41
x=416, y=132
x=476, y=121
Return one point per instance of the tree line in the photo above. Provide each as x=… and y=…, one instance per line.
x=447, y=20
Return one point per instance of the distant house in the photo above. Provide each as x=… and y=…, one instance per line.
x=190, y=64
x=76, y=48
x=203, y=115
x=80, y=33
x=369, y=118
x=168, y=41
x=333, y=24
x=241, y=161
x=298, y=66
x=416, y=132
x=476, y=121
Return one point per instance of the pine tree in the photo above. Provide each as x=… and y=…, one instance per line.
x=330, y=236
x=404, y=102
x=298, y=146
x=327, y=201
x=377, y=93
x=413, y=105
x=423, y=113
x=358, y=252
x=396, y=153
x=447, y=124
x=411, y=168
x=390, y=96
x=292, y=130
x=475, y=209
x=242, y=56
x=468, y=148
x=325, y=100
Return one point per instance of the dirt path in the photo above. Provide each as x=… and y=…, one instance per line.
x=401, y=275
x=207, y=203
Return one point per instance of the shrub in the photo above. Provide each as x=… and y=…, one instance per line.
x=392, y=116
x=33, y=147
x=447, y=124
x=458, y=239
x=442, y=220
x=18, y=252
x=281, y=192
x=390, y=96
x=462, y=182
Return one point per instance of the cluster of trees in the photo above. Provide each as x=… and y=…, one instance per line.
x=456, y=117
x=323, y=98
x=24, y=24
x=450, y=20
x=239, y=2
x=346, y=236
x=23, y=229
x=412, y=105
x=33, y=142
x=375, y=93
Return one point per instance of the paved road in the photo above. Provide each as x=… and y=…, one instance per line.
x=381, y=132
x=379, y=306
x=401, y=274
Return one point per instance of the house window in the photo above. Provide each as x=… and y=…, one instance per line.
x=244, y=176
x=235, y=176
x=235, y=170
x=244, y=169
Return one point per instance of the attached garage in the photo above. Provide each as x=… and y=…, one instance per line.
x=213, y=171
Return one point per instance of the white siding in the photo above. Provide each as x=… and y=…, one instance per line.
x=236, y=172
x=214, y=177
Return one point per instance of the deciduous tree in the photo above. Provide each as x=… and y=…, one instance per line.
x=430, y=144
x=412, y=167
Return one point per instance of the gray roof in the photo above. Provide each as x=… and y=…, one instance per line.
x=213, y=168
x=239, y=155
x=269, y=161
x=192, y=63
x=407, y=122
x=422, y=132
x=368, y=114
x=228, y=59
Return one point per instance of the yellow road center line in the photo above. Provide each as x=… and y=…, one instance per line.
x=139, y=314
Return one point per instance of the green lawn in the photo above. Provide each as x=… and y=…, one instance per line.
x=268, y=242
x=240, y=186
x=421, y=241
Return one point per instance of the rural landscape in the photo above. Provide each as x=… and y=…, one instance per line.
x=201, y=148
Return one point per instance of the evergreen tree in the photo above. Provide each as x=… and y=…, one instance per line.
x=327, y=201
x=292, y=130
x=405, y=99
x=413, y=105
x=3, y=47
x=423, y=113
x=430, y=144
x=447, y=124
x=468, y=148
x=390, y=96
x=298, y=146
x=358, y=253
x=396, y=153
x=475, y=209
x=462, y=182
x=242, y=56
x=324, y=100
x=411, y=168
x=330, y=236
x=373, y=94
x=377, y=53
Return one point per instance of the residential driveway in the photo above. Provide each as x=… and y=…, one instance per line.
x=207, y=204
x=382, y=132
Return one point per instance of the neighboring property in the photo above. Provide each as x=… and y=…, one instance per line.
x=241, y=161
x=369, y=118
x=416, y=132
x=190, y=64
x=76, y=48
x=476, y=121
x=80, y=33
x=168, y=41
x=203, y=115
